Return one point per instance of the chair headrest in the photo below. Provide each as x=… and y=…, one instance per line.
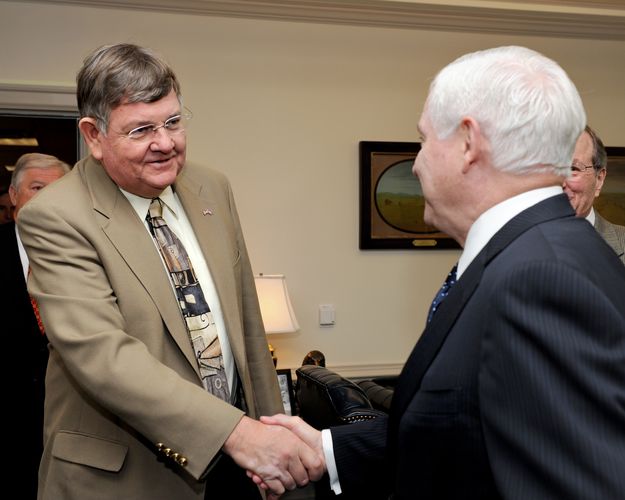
x=326, y=399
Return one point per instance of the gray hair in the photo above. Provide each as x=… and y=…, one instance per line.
x=35, y=160
x=599, y=154
x=526, y=105
x=114, y=74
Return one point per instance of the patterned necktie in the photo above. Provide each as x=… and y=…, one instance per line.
x=33, y=302
x=198, y=316
x=442, y=293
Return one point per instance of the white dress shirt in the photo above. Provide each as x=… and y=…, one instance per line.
x=591, y=216
x=23, y=255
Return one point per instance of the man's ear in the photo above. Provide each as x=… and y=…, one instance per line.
x=13, y=195
x=472, y=142
x=92, y=136
x=600, y=179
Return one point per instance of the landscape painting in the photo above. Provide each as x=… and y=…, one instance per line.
x=391, y=200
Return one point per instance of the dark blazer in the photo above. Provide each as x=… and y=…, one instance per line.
x=516, y=389
x=26, y=352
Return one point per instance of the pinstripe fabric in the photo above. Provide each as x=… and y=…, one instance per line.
x=516, y=389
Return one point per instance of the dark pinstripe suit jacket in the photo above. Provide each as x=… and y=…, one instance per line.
x=516, y=389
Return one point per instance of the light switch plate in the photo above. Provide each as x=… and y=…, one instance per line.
x=326, y=315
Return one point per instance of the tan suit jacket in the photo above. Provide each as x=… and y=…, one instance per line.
x=122, y=376
x=613, y=234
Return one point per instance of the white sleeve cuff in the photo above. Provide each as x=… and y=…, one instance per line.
x=328, y=451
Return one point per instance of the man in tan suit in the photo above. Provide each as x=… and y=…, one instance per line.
x=590, y=163
x=128, y=411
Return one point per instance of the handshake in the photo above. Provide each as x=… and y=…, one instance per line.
x=279, y=453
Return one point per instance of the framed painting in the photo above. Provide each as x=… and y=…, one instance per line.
x=286, y=390
x=391, y=200
x=611, y=202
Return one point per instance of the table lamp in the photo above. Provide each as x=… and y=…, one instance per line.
x=275, y=306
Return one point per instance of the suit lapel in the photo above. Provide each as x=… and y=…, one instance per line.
x=437, y=330
x=206, y=215
x=128, y=235
x=434, y=335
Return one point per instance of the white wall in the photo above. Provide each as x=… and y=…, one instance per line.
x=280, y=108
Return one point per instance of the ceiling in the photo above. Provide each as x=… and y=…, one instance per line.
x=593, y=19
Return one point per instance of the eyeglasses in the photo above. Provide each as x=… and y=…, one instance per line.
x=578, y=169
x=173, y=126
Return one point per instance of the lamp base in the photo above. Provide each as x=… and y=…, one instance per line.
x=273, y=355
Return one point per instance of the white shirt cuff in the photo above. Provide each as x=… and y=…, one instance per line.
x=328, y=451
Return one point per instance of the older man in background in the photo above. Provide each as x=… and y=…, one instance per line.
x=589, y=170
x=28, y=345
x=6, y=207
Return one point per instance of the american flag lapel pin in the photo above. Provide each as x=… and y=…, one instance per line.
x=207, y=211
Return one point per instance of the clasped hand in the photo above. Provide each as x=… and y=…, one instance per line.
x=280, y=453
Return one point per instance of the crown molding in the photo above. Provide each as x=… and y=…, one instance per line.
x=586, y=19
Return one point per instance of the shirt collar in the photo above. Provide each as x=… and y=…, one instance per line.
x=141, y=204
x=493, y=219
x=591, y=217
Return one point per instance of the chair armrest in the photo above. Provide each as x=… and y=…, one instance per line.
x=380, y=396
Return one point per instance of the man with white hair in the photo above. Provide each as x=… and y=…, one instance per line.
x=516, y=388
x=26, y=342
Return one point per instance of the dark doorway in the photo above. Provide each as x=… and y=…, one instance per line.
x=55, y=135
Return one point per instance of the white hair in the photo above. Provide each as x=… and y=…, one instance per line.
x=35, y=160
x=525, y=104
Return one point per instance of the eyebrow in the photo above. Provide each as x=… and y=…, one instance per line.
x=141, y=123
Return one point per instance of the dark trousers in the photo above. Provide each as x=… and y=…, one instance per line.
x=228, y=481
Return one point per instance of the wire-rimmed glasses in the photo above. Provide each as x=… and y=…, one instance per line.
x=172, y=126
x=578, y=169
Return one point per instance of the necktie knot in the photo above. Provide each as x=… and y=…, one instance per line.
x=443, y=292
x=156, y=208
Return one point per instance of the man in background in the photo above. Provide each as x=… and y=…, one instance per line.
x=6, y=207
x=589, y=170
x=515, y=388
x=28, y=345
x=159, y=365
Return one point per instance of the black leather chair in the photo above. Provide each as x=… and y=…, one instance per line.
x=326, y=399
x=379, y=391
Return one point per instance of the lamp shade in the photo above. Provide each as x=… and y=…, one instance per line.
x=275, y=305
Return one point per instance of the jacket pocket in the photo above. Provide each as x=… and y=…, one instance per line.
x=89, y=450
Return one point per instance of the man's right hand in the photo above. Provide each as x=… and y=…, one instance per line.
x=274, y=454
x=308, y=434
